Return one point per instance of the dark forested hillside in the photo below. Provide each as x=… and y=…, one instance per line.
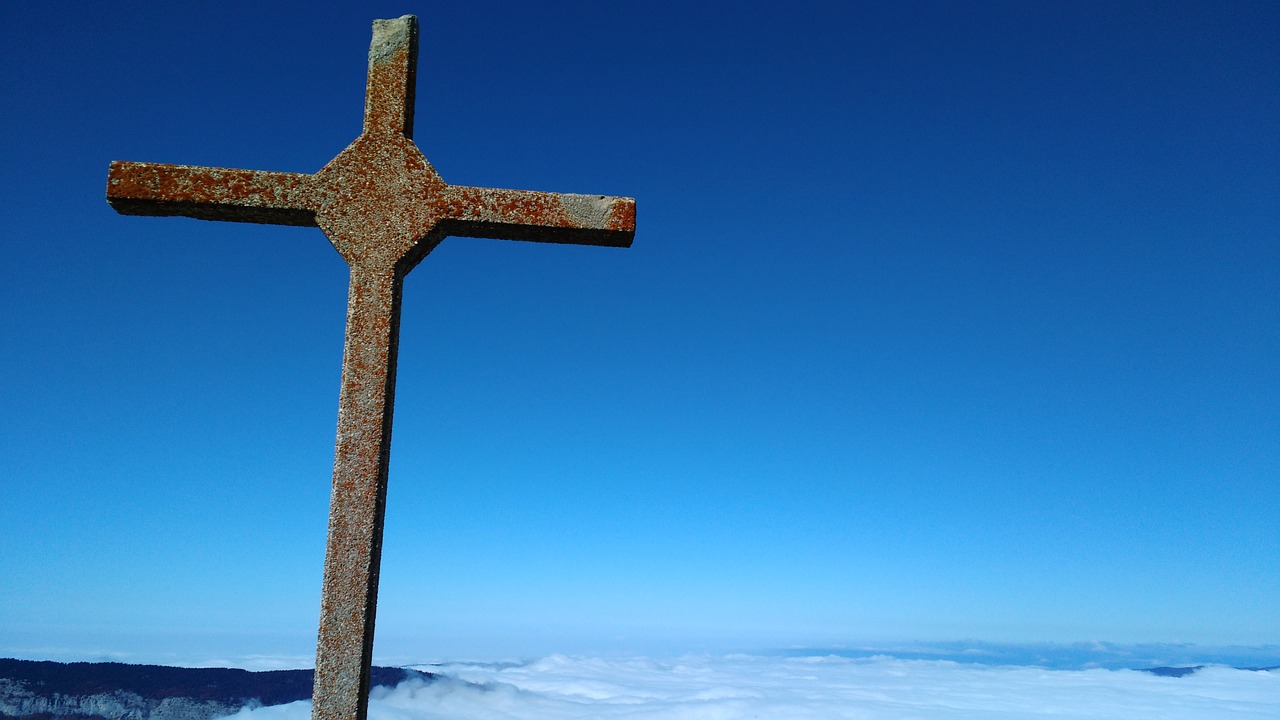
x=116, y=691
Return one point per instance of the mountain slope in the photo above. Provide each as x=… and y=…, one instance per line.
x=37, y=690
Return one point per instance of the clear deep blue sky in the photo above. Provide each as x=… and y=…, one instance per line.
x=943, y=320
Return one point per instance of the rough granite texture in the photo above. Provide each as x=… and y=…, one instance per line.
x=384, y=208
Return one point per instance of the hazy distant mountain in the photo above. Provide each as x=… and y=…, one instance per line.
x=33, y=690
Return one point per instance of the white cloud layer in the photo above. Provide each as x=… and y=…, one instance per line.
x=827, y=688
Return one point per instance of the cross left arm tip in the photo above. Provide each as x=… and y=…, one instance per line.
x=209, y=193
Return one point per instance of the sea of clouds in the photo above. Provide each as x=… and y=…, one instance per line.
x=828, y=687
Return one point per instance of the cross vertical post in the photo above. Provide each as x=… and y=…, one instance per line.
x=384, y=208
x=344, y=650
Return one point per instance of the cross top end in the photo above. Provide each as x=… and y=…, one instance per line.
x=380, y=202
x=393, y=65
x=389, y=35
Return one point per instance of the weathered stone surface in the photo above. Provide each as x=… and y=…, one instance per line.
x=384, y=208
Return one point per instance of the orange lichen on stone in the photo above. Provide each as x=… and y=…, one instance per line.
x=384, y=208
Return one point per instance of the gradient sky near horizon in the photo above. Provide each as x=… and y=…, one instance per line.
x=943, y=320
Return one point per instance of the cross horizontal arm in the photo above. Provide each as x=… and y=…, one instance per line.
x=273, y=198
x=539, y=216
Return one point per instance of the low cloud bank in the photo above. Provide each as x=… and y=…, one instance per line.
x=807, y=688
x=1065, y=656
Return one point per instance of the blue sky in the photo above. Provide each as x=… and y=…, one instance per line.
x=942, y=321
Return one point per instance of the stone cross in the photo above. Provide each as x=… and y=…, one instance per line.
x=384, y=208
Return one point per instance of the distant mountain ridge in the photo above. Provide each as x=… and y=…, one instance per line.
x=1158, y=658
x=43, y=690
